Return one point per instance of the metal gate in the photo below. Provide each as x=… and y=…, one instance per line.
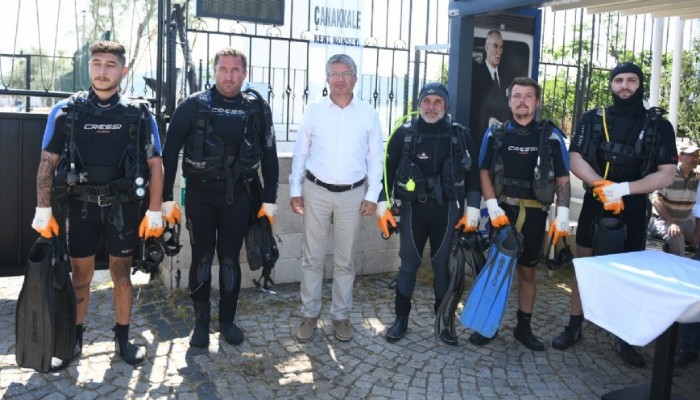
x=385, y=71
x=20, y=144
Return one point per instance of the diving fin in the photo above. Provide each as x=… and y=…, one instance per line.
x=472, y=245
x=445, y=314
x=45, y=313
x=488, y=298
x=65, y=306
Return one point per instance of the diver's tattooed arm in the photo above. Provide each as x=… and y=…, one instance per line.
x=563, y=191
x=44, y=178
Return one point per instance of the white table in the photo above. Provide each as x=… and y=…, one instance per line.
x=639, y=296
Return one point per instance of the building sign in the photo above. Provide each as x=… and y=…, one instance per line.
x=346, y=20
x=338, y=26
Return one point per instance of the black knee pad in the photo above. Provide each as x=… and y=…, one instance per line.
x=200, y=274
x=231, y=275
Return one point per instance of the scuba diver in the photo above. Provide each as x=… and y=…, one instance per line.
x=431, y=171
x=523, y=164
x=227, y=134
x=621, y=153
x=100, y=152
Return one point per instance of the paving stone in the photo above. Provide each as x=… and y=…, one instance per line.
x=270, y=364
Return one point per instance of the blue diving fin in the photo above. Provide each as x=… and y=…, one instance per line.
x=488, y=297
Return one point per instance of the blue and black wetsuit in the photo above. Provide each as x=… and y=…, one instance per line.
x=519, y=152
x=101, y=139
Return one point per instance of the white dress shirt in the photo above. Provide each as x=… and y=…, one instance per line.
x=340, y=146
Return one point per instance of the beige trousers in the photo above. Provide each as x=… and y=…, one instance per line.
x=323, y=211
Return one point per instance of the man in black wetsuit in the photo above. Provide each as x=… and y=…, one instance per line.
x=619, y=168
x=226, y=135
x=519, y=197
x=425, y=165
x=112, y=148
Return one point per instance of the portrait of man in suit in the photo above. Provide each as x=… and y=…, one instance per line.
x=506, y=46
x=489, y=100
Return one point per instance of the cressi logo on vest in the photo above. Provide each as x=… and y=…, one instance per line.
x=543, y=182
x=102, y=127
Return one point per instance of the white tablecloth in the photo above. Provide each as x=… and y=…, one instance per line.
x=638, y=295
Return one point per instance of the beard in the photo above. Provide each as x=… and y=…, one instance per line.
x=636, y=98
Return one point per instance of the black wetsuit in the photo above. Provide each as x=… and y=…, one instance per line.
x=625, y=122
x=519, y=153
x=101, y=143
x=434, y=218
x=214, y=224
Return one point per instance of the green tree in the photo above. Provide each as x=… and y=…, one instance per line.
x=569, y=85
x=131, y=22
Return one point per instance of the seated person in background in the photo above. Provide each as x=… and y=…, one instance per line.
x=672, y=220
x=689, y=341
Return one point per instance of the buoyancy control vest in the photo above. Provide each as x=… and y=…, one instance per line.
x=105, y=186
x=543, y=183
x=205, y=156
x=644, y=152
x=410, y=182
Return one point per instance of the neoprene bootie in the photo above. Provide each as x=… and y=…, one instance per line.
x=571, y=334
x=57, y=364
x=231, y=333
x=131, y=354
x=397, y=330
x=523, y=332
x=199, y=337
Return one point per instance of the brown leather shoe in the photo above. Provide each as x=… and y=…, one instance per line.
x=343, y=330
x=306, y=329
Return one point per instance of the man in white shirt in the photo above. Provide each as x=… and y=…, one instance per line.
x=335, y=180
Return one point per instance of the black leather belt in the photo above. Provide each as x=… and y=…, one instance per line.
x=333, y=188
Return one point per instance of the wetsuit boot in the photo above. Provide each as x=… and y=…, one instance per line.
x=231, y=333
x=571, y=334
x=58, y=364
x=133, y=355
x=523, y=332
x=199, y=337
x=402, y=307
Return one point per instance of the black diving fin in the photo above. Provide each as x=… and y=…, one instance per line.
x=46, y=308
x=466, y=249
x=488, y=297
x=444, y=325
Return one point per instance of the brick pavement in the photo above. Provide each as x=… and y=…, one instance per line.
x=270, y=364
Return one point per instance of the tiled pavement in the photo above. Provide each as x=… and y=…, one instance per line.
x=270, y=364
